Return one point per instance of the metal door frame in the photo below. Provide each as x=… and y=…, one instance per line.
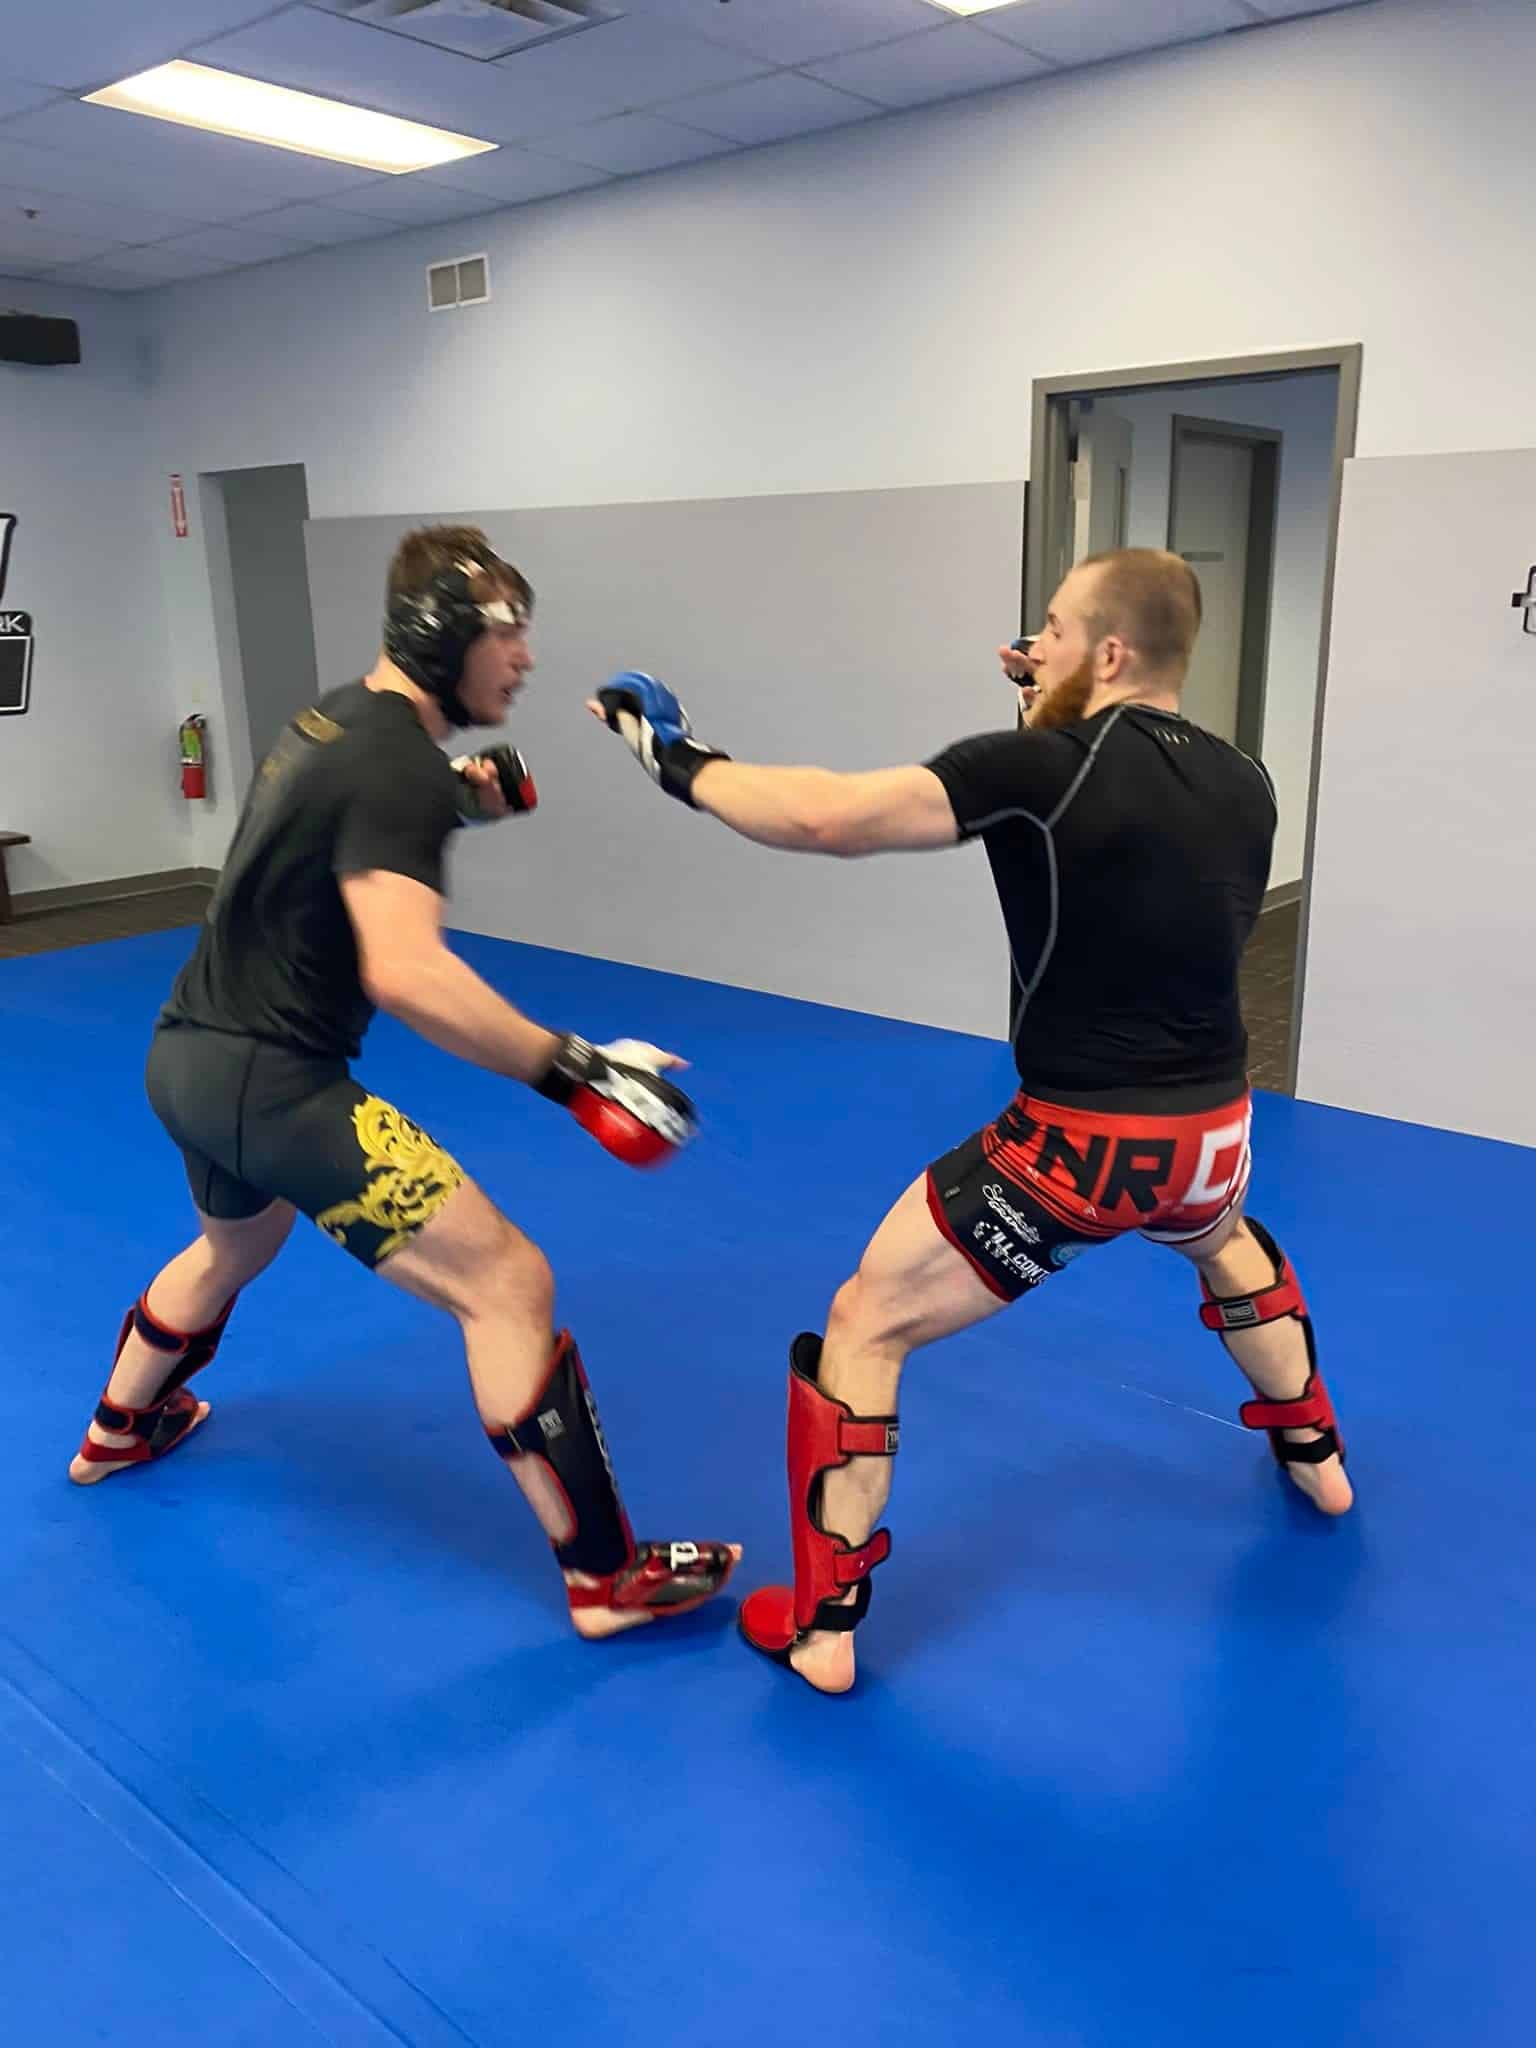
x=1046, y=424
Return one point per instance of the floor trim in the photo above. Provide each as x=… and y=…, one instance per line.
x=80, y=893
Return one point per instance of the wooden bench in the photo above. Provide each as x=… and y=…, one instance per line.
x=9, y=839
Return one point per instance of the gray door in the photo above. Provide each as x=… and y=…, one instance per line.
x=265, y=511
x=1209, y=526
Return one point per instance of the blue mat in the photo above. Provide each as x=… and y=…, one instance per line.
x=299, y=1745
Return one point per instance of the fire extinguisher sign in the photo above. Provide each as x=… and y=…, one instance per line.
x=15, y=635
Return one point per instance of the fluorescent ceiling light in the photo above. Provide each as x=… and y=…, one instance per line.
x=971, y=6
x=227, y=104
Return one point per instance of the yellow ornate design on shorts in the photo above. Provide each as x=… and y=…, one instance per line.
x=409, y=1179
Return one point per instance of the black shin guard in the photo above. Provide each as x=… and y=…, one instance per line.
x=562, y=1431
x=185, y=1352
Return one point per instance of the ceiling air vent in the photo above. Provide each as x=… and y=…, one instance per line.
x=466, y=281
x=487, y=29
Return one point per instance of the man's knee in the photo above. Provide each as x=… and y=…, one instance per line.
x=514, y=1276
x=866, y=1312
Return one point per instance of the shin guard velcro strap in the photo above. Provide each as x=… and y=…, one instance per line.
x=1313, y=1411
x=162, y=1423
x=562, y=1431
x=1246, y=1311
x=823, y=1435
x=1231, y=1315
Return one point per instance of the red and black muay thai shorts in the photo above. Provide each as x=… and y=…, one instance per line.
x=1024, y=1196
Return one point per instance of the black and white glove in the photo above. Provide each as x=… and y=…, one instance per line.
x=654, y=726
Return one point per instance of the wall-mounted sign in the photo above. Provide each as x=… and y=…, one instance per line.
x=1525, y=601
x=15, y=634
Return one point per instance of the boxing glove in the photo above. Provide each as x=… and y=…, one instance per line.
x=618, y=1094
x=512, y=773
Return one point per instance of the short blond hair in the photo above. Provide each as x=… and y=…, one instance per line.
x=1151, y=600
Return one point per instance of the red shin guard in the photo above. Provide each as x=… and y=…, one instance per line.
x=174, y=1413
x=823, y=1434
x=1231, y=1314
x=561, y=1430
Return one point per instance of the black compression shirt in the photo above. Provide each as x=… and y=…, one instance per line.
x=1131, y=854
x=356, y=783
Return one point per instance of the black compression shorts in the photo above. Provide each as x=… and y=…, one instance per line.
x=258, y=1123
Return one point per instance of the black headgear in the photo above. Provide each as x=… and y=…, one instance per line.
x=428, y=633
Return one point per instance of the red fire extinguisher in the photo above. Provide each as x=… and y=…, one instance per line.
x=194, y=762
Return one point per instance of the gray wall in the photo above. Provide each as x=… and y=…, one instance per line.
x=855, y=630
x=264, y=515
x=1421, y=959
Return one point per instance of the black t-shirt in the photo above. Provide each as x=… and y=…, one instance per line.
x=355, y=783
x=1131, y=853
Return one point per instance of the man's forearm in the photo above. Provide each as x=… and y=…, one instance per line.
x=446, y=1002
x=791, y=808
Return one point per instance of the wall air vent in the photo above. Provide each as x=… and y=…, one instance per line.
x=464, y=281
x=485, y=29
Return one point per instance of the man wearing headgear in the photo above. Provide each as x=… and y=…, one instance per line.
x=329, y=907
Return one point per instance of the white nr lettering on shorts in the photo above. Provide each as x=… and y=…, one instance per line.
x=1015, y=1219
x=680, y=1554
x=1207, y=1184
x=551, y=1425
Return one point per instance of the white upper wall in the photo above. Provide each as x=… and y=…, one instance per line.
x=90, y=770
x=867, y=308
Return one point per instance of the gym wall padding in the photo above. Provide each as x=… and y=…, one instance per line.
x=849, y=629
x=1420, y=995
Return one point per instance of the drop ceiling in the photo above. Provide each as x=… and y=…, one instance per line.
x=577, y=93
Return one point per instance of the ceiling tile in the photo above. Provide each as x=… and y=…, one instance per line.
x=513, y=175
x=234, y=245
x=164, y=148
x=319, y=225
x=631, y=63
x=369, y=67
x=1283, y=10
x=769, y=109
x=930, y=67
x=161, y=263
x=94, y=218
x=101, y=276
x=411, y=202
x=81, y=44
x=1087, y=31
x=627, y=143
x=85, y=177
x=16, y=96
x=32, y=242
x=793, y=31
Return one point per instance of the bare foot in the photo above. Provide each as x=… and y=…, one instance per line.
x=85, y=1472
x=1325, y=1485
x=594, y=1623
x=825, y=1659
